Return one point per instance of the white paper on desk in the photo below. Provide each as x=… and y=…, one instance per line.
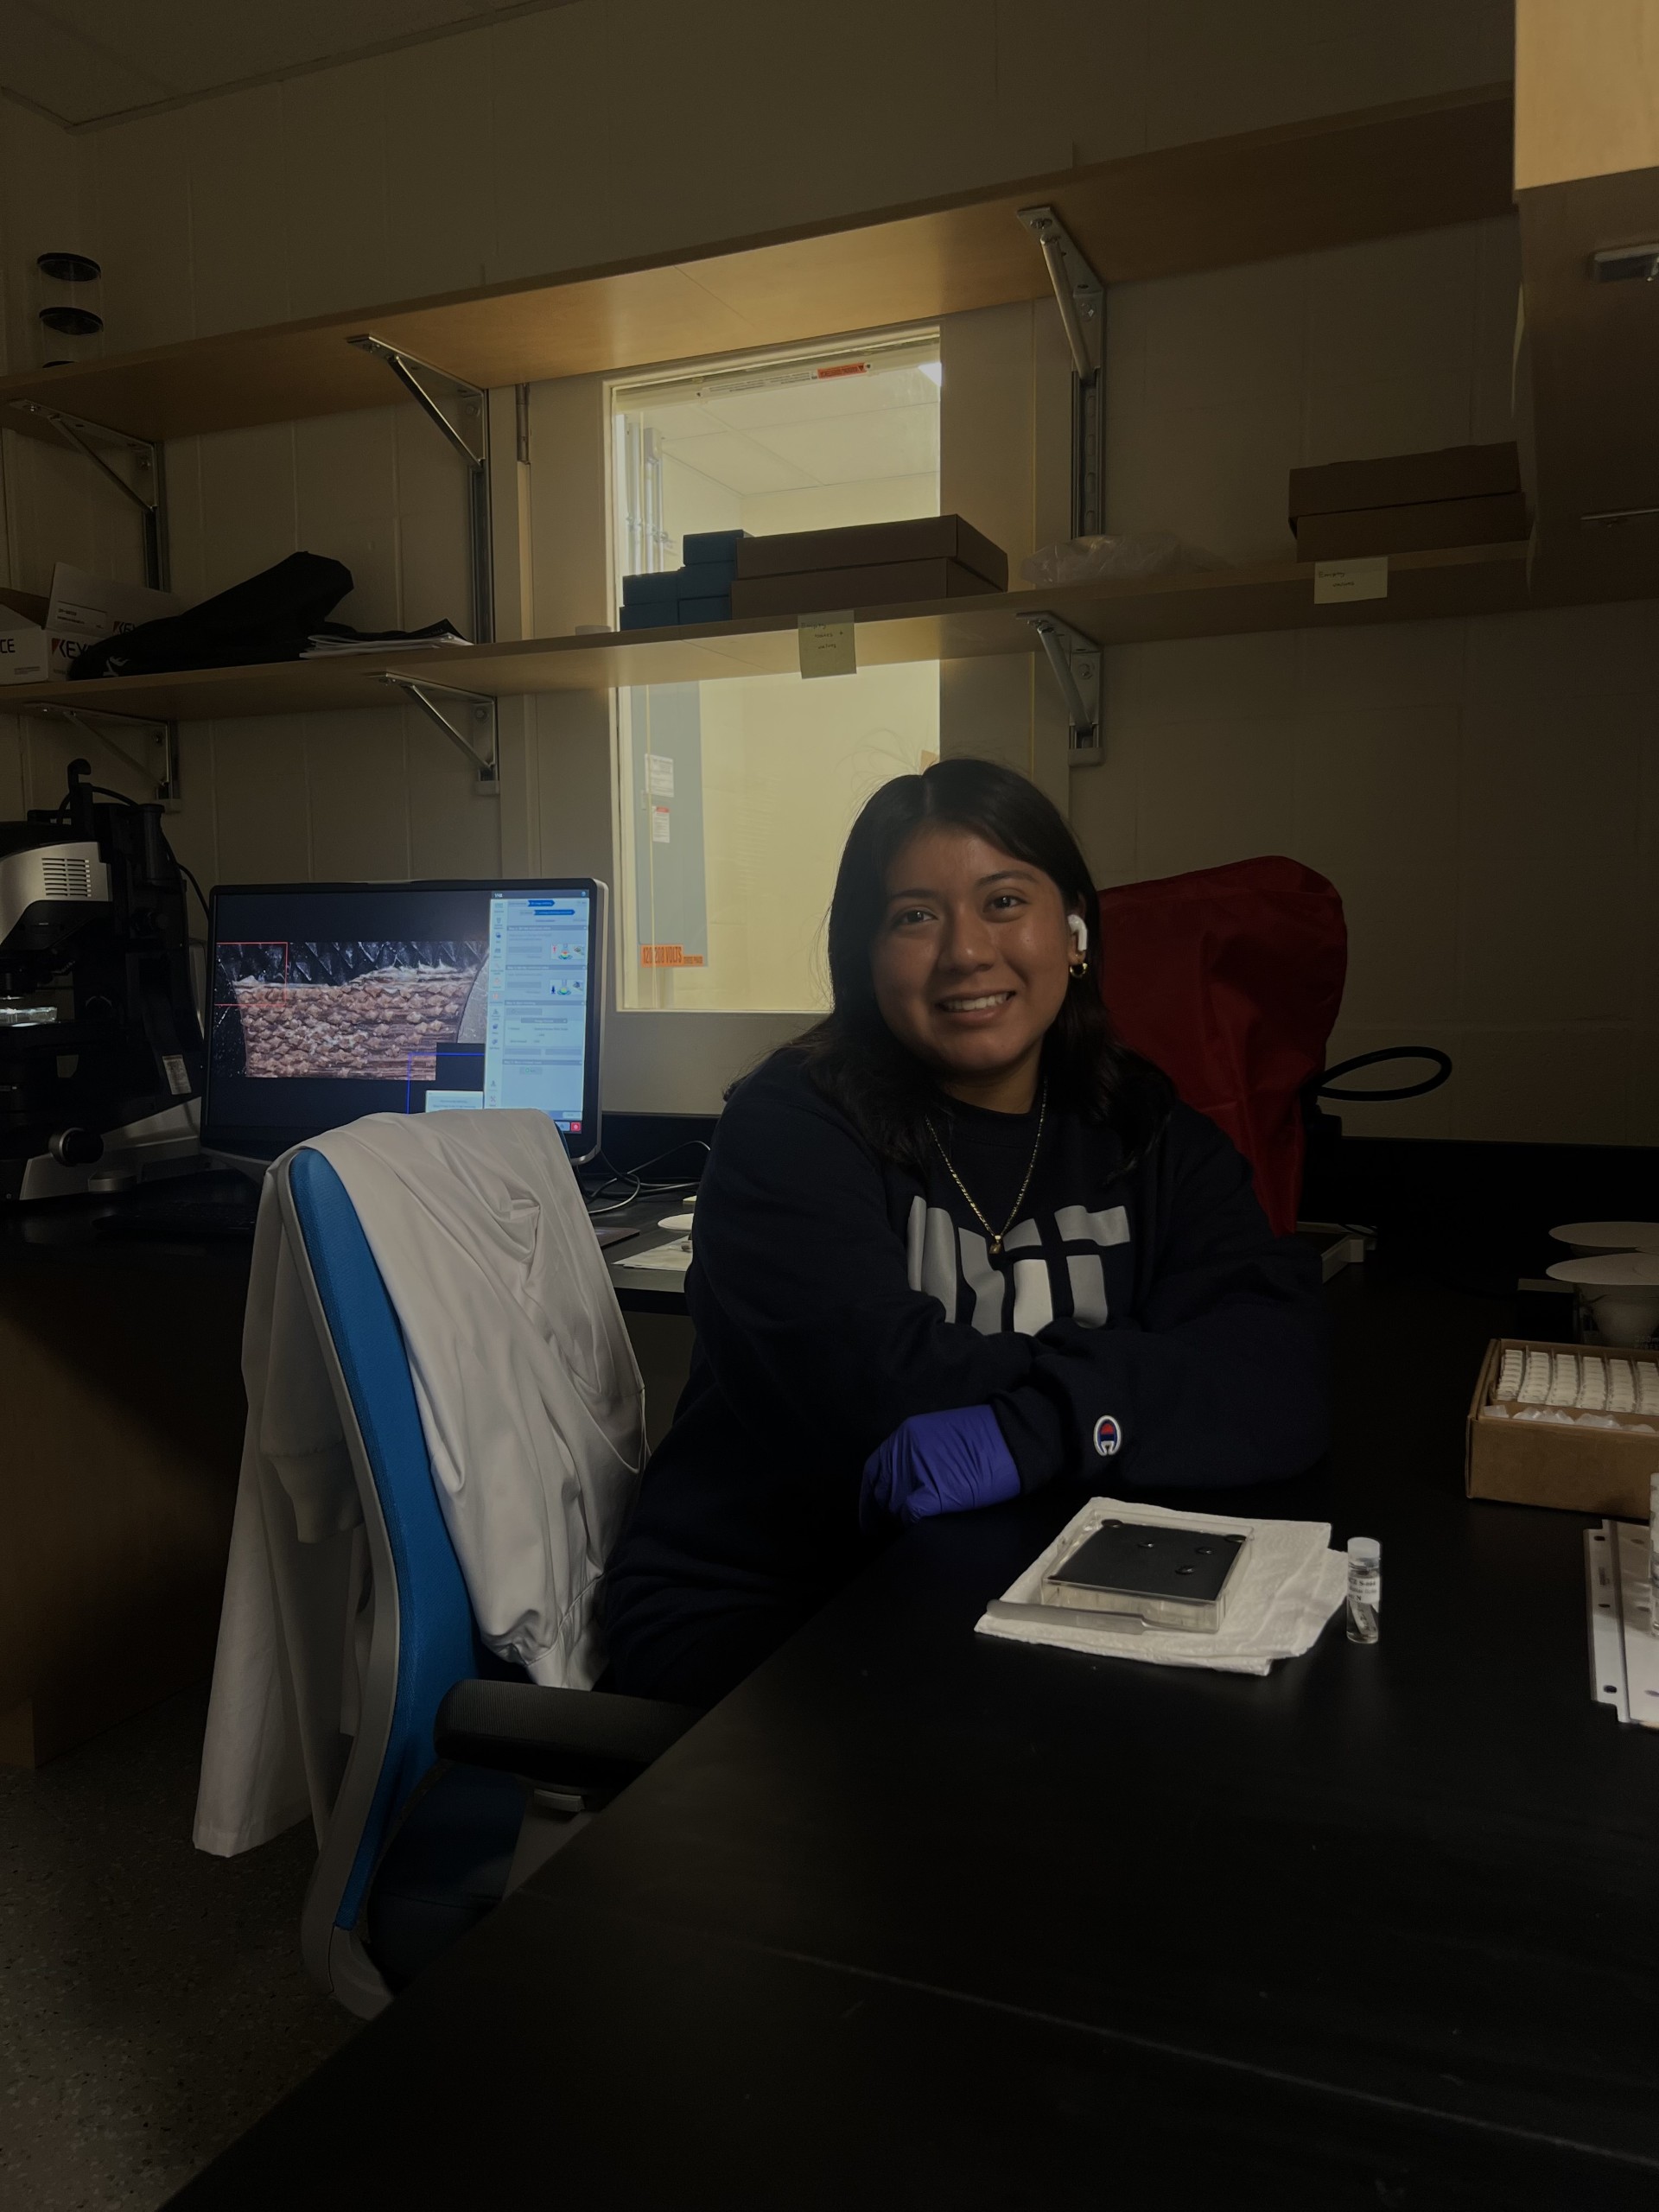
x=672, y=1259
x=1291, y=1582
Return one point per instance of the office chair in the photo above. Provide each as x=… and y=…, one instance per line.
x=429, y=1828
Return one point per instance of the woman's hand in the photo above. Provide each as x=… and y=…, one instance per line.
x=938, y=1463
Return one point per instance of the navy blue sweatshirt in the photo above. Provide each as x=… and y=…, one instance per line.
x=1141, y=1328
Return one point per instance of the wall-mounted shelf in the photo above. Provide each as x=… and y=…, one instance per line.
x=1300, y=187
x=1276, y=595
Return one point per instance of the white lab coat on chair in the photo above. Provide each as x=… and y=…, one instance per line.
x=531, y=1400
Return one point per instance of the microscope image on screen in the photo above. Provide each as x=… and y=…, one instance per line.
x=283, y=1008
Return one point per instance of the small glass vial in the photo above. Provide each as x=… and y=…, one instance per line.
x=1364, y=1589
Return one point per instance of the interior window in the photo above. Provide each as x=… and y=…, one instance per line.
x=733, y=797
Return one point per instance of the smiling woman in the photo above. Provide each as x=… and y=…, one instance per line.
x=954, y=1243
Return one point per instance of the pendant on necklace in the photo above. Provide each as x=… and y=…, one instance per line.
x=996, y=1248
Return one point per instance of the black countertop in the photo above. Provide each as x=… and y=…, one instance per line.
x=930, y=1919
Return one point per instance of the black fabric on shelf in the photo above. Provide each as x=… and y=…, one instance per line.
x=267, y=617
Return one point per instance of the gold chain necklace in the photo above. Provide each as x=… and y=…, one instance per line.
x=997, y=1235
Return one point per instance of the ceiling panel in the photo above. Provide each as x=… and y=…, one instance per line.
x=739, y=463
x=86, y=59
x=849, y=449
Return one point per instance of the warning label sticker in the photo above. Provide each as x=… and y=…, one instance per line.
x=667, y=955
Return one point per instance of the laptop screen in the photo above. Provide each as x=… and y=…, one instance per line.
x=331, y=1000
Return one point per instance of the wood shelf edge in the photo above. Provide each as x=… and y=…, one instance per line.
x=1277, y=594
x=1175, y=193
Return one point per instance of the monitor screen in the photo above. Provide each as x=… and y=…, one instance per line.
x=331, y=1000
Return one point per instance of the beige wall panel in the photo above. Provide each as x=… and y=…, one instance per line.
x=360, y=806
x=685, y=1062
x=569, y=526
x=1485, y=797
x=58, y=508
x=248, y=513
x=558, y=151
x=1546, y=873
x=261, y=802
x=881, y=106
x=1534, y=1085
x=193, y=827
x=567, y=137
x=573, y=732
x=440, y=216
x=1586, y=89
x=1214, y=66
x=455, y=828
x=335, y=188
x=140, y=176
x=1071, y=81
x=44, y=180
x=238, y=211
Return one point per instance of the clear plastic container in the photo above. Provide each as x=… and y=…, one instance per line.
x=1364, y=1589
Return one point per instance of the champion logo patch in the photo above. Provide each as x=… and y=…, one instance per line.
x=1109, y=1436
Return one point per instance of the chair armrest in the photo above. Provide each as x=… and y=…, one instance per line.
x=583, y=1741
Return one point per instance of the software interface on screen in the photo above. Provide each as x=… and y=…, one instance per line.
x=332, y=1003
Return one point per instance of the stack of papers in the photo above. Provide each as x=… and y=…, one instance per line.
x=339, y=638
x=1287, y=1585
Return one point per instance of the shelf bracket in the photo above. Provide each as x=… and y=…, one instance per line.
x=148, y=494
x=161, y=767
x=1081, y=298
x=1076, y=662
x=477, y=709
x=461, y=412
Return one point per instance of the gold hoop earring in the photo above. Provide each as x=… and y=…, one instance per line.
x=1079, y=969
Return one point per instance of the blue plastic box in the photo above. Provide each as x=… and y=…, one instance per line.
x=707, y=579
x=714, y=607
x=653, y=590
x=720, y=546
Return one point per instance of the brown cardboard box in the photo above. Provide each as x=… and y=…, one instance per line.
x=1408, y=503
x=1405, y=480
x=818, y=591
x=865, y=545
x=1601, y=1470
x=1412, y=529
x=29, y=605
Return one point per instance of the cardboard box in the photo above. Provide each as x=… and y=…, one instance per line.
x=27, y=606
x=875, y=544
x=85, y=606
x=1412, y=529
x=1407, y=503
x=30, y=654
x=700, y=546
x=1581, y=1470
x=1405, y=480
x=817, y=591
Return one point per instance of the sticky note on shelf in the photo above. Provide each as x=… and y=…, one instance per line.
x=1336, y=581
x=827, y=645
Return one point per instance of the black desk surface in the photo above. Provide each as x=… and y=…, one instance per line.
x=939, y=1920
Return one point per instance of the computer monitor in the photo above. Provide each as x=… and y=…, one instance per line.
x=330, y=1001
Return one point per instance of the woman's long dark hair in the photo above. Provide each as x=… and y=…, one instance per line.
x=851, y=1056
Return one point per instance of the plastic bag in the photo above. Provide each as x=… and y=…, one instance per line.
x=1083, y=560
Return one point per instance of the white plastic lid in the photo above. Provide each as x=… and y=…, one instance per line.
x=1365, y=1551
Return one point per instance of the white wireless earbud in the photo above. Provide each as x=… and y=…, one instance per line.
x=1079, y=930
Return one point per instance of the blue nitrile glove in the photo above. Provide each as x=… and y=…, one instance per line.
x=938, y=1463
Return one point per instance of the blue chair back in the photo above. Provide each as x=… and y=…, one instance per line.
x=424, y=1636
